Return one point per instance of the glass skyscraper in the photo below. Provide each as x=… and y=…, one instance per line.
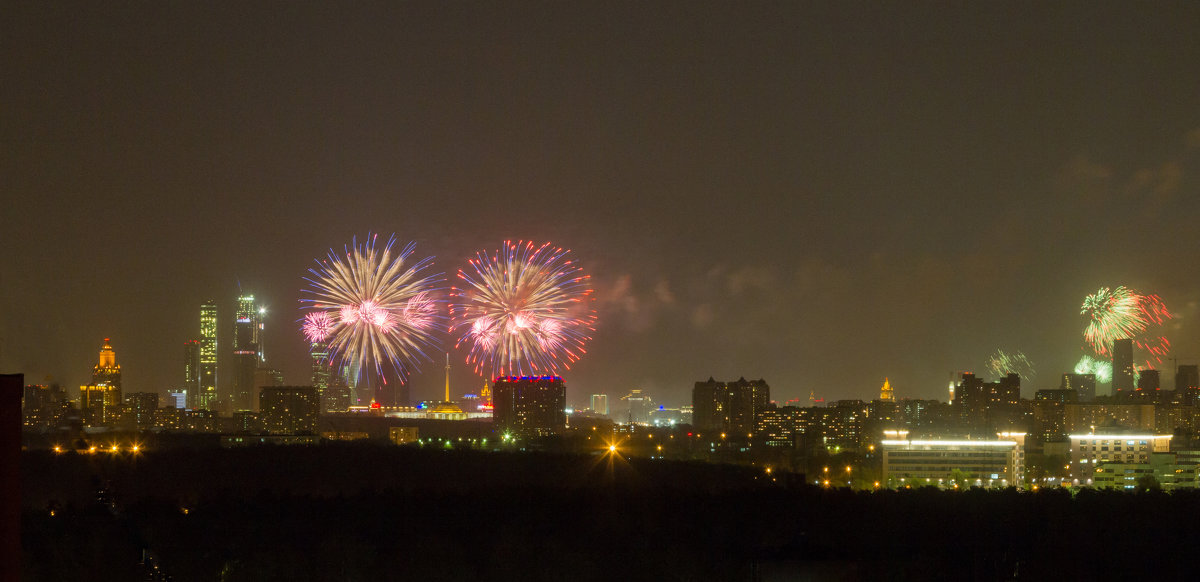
x=206, y=397
x=247, y=351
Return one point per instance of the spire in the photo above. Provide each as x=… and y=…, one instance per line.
x=108, y=358
x=886, y=393
x=447, y=376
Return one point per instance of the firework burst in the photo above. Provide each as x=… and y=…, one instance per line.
x=1123, y=313
x=372, y=306
x=1090, y=365
x=523, y=310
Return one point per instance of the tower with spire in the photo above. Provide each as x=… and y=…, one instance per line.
x=446, y=408
x=885, y=393
x=100, y=401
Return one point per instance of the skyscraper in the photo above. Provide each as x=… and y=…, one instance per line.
x=529, y=406
x=191, y=372
x=1122, y=363
x=600, y=404
x=100, y=401
x=332, y=388
x=247, y=330
x=321, y=372
x=639, y=407
x=206, y=397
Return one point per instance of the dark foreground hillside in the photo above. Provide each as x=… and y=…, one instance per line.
x=379, y=513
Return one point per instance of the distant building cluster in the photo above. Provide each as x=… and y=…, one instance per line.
x=986, y=435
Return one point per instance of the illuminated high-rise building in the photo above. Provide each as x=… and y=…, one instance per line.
x=191, y=372
x=206, y=396
x=729, y=407
x=321, y=369
x=639, y=407
x=886, y=393
x=289, y=409
x=247, y=331
x=332, y=388
x=100, y=401
x=985, y=407
x=600, y=404
x=107, y=371
x=529, y=406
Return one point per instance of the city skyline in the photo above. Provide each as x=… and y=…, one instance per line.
x=820, y=196
x=576, y=399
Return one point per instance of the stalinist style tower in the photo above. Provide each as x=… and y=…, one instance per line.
x=100, y=401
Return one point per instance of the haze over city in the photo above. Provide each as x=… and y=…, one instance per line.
x=819, y=196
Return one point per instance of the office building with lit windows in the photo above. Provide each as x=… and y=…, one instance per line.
x=780, y=426
x=1088, y=451
x=987, y=407
x=979, y=463
x=139, y=409
x=529, y=406
x=43, y=406
x=247, y=352
x=289, y=409
x=1167, y=472
x=206, y=398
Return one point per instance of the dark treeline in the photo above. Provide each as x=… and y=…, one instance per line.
x=355, y=512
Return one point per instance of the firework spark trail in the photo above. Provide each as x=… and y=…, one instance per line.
x=1002, y=363
x=523, y=310
x=1123, y=313
x=373, y=305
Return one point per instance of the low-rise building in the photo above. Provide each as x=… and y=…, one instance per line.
x=1090, y=450
x=1165, y=468
x=943, y=463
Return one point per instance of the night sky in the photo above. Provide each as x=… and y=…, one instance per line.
x=818, y=195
